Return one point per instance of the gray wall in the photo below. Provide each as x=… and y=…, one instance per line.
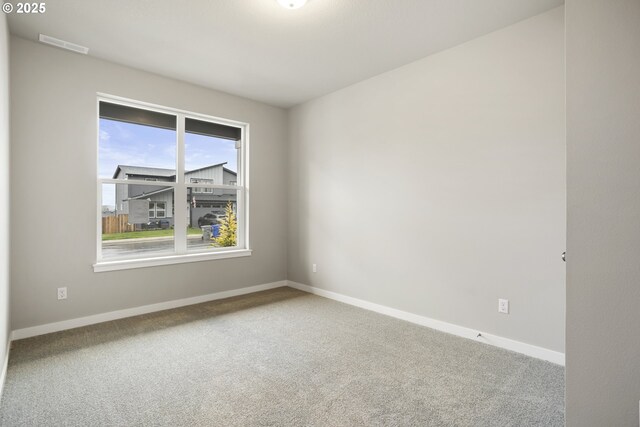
x=439, y=187
x=4, y=188
x=603, y=189
x=54, y=150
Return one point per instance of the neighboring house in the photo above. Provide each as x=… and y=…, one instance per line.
x=161, y=199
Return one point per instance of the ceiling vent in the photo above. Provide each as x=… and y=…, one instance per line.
x=63, y=44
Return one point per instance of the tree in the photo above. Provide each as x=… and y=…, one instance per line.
x=228, y=229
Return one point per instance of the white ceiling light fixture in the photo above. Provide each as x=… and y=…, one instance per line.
x=292, y=4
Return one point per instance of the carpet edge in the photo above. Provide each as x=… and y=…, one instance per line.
x=78, y=322
x=531, y=350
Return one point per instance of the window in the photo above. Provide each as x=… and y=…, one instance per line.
x=160, y=210
x=172, y=186
x=200, y=189
x=157, y=210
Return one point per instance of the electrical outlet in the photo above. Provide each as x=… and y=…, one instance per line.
x=314, y=268
x=503, y=306
x=62, y=293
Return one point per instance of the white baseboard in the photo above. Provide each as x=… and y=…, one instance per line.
x=135, y=311
x=5, y=365
x=461, y=331
x=495, y=340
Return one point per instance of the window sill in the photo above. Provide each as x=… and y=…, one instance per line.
x=126, y=264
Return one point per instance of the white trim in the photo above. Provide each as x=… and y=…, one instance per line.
x=243, y=194
x=136, y=311
x=139, y=182
x=5, y=366
x=180, y=202
x=99, y=186
x=127, y=264
x=461, y=331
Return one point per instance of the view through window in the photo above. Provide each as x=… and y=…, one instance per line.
x=165, y=191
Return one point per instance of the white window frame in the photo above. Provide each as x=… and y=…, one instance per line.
x=180, y=187
x=157, y=209
x=163, y=210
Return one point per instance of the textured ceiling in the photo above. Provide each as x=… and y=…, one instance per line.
x=257, y=49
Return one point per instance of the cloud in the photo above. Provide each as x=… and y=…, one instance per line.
x=123, y=133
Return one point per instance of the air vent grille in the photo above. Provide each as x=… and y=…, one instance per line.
x=63, y=44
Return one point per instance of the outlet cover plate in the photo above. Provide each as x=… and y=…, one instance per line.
x=503, y=306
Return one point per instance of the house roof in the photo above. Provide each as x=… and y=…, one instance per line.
x=160, y=172
x=143, y=170
x=206, y=167
x=151, y=193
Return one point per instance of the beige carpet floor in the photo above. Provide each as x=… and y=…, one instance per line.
x=274, y=358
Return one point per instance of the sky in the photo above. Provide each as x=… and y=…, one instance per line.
x=138, y=145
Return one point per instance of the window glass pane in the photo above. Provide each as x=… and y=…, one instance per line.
x=135, y=151
x=137, y=221
x=213, y=219
x=160, y=210
x=142, y=116
x=218, y=130
x=210, y=160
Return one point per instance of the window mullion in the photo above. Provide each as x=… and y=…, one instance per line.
x=242, y=194
x=99, y=222
x=180, y=192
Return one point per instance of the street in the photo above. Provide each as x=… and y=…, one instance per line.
x=148, y=247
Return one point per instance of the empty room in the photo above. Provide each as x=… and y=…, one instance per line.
x=320, y=213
